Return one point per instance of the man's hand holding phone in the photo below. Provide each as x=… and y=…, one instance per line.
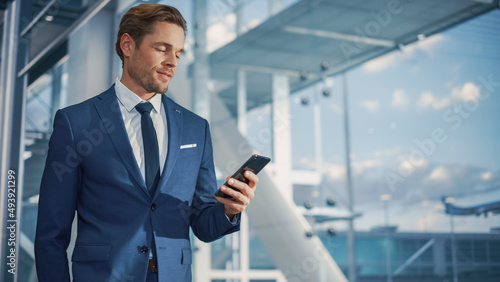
x=240, y=194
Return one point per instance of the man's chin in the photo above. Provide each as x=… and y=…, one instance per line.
x=157, y=88
x=162, y=87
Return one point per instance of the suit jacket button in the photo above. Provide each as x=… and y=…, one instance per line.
x=144, y=249
x=153, y=207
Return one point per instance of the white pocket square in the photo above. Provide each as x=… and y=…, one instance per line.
x=187, y=146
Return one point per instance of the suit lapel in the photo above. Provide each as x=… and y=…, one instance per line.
x=109, y=110
x=174, y=127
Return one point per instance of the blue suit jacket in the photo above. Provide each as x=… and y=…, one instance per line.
x=91, y=169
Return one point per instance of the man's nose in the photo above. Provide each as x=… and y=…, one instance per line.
x=170, y=60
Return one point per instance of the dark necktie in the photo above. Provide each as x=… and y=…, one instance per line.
x=150, y=144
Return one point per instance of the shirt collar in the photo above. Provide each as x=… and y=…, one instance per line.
x=129, y=99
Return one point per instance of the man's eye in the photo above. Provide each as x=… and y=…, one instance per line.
x=160, y=50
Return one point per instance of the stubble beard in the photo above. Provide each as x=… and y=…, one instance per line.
x=146, y=79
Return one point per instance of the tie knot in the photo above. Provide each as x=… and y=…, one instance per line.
x=144, y=107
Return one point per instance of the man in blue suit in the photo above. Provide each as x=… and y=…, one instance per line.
x=136, y=167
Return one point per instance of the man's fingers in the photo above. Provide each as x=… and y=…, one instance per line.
x=245, y=188
x=237, y=195
x=252, y=178
x=224, y=201
x=238, y=185
x=241, y=193
x=231, y=205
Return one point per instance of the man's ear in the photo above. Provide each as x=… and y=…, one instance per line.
x=127, y=45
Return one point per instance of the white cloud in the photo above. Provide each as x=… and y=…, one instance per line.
x=440, y=174
x=371, y=106
x=399, y=99
x=408, y=164
x=382, y=62
x=486, y=176
x=427, y=45
x=221, y=33
x=427, y=100
x=468, y=92
x=430, y=43
x=420, y=163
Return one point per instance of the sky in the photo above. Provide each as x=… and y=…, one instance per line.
x=423, y=124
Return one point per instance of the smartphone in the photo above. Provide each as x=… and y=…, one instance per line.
x=254, y=164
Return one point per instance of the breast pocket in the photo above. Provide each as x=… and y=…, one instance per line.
x=190, y=155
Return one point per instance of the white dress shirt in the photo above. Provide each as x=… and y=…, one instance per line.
x=132, y=118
